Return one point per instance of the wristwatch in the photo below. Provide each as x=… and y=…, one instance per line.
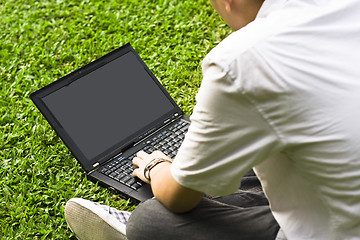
x=152, y=164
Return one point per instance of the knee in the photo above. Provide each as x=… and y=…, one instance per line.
x=143, y=222
x=134, y=226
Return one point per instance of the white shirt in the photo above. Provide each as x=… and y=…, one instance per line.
x=283, y=94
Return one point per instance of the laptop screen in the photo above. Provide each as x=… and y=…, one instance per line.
x=103, y=108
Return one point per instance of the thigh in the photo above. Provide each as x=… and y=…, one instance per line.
x=244, y=199
x=250, y=193
x=209, y=220
x=250, y=182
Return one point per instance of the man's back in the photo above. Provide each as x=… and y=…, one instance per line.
x=315, y=181
x=297, y=65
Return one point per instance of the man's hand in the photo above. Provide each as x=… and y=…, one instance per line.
x=171, y=194
x=142, y=158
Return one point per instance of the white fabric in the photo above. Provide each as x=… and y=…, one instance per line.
x=283, y=94
x=280, y=235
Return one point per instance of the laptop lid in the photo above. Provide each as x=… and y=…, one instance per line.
x=107, y=106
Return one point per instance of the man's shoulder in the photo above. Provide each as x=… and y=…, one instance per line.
x=237, y=43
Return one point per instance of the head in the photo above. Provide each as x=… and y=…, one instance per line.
x=237, y=13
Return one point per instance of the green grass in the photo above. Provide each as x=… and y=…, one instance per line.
x=44, y=40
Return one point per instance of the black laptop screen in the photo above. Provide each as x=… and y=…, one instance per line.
x=106, y=106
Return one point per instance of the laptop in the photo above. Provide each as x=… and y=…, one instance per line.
x=107, y=111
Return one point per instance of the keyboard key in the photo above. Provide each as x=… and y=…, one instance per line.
x=130, y=182
x=136, y=186
x=125, y=179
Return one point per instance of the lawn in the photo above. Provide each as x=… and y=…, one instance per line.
x=46, y=39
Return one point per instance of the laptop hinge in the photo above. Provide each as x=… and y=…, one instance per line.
x=95, y=165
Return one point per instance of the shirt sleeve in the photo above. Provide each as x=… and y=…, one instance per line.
x=226, y=138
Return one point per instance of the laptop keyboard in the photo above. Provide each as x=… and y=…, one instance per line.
x=167, y=141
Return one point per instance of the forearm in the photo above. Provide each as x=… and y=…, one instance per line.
x=174, y=196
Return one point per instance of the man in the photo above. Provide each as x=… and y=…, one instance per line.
x=281, y=94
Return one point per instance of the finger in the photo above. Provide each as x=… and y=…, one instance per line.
x=159, y=154
x=141, y=154
x=135, y=162
x=135, y=172
x=140, y=174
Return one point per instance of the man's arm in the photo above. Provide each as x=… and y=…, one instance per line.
x=174, y=196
